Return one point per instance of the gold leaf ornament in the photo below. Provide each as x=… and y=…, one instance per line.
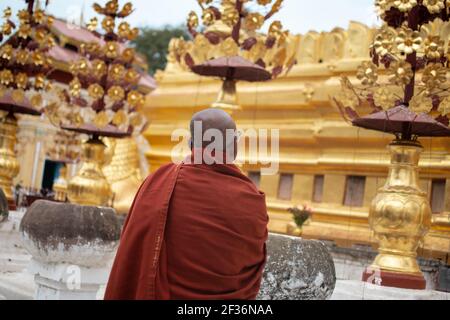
x=119, y=118
x=124, y=30
x=21, y=80
x=404, y=5
x=24, y=31
x=111, y=49
x=6, y=77
x=6, y=52
x=39, y=16
x=135, y=98
x=112, y=7
x=421, y=103
x=116, y=93
x=408, y=41
x=95, y=91
x=192, y=20
x=93, y=24
x=38, y=58
x=253, y=21
x=75, y=87
x=98, y=68
x=434, y=75
x=127, y=9
x=229, y=47
x=39, y=82
x=383, y=43
x=367, y=73
x=128, y=55
x=132, y=76
x=275, y=29
x=347, y=96
x=434, y=47
x=101, y=119
x=208, y=17
x=400, y=72
x=108, y=24
x=444, y=106
x=116, y=71
x=434, y=6
x=37, y=101
x=24, y=16
x=80, y=67
x=384, y=97
x=7, y=13
x=7, y=28
x=230, y=16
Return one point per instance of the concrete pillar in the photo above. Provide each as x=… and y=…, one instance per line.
x=72, y=248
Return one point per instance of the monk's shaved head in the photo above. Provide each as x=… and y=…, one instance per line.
x=212, y=119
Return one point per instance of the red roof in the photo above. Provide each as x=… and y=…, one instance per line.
x=74, y=32
x=81, y=34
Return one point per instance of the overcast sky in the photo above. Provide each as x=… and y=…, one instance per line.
x=299, y=16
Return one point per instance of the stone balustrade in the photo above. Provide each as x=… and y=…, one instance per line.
x=73, y=246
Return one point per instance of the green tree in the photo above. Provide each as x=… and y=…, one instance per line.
x=153, y=44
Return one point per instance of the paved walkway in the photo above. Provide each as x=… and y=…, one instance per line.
x=358, y=290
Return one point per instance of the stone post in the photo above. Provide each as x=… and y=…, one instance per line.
x=297, y=269
x=72, y=248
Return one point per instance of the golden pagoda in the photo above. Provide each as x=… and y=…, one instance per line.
x=325, y=163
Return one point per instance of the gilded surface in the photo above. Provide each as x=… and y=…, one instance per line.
x=400, y=214
x=123, y=171
x=89, y=186
x=314, y=140
x=9, y=166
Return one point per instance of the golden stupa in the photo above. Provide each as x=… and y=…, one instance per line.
x=324, y=162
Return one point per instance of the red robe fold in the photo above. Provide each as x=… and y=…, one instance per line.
x=193, y=232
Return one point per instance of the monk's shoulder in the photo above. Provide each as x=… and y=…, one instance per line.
x=160, y=174
x=163, y=170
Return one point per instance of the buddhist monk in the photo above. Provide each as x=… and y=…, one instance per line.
x=196, y=230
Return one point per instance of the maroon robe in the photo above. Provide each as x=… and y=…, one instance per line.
x=193, y=232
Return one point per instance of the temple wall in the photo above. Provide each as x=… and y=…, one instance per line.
x=316, y=145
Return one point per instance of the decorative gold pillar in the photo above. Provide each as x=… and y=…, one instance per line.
x=400, y=216
x=9, y=166
x=123, y=171
x=227, y=99
x=60, y=186
x=89, y=186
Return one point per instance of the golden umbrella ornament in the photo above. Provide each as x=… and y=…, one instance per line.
x=231, y=46
x=405, y=83
x=24, y=66
x=103, y=99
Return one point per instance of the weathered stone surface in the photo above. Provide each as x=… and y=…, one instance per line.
x=72, y=247
x=68, y=233
x=297, y=269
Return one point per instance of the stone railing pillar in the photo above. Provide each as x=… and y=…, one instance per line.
x=72, y=248
x=297, y=269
